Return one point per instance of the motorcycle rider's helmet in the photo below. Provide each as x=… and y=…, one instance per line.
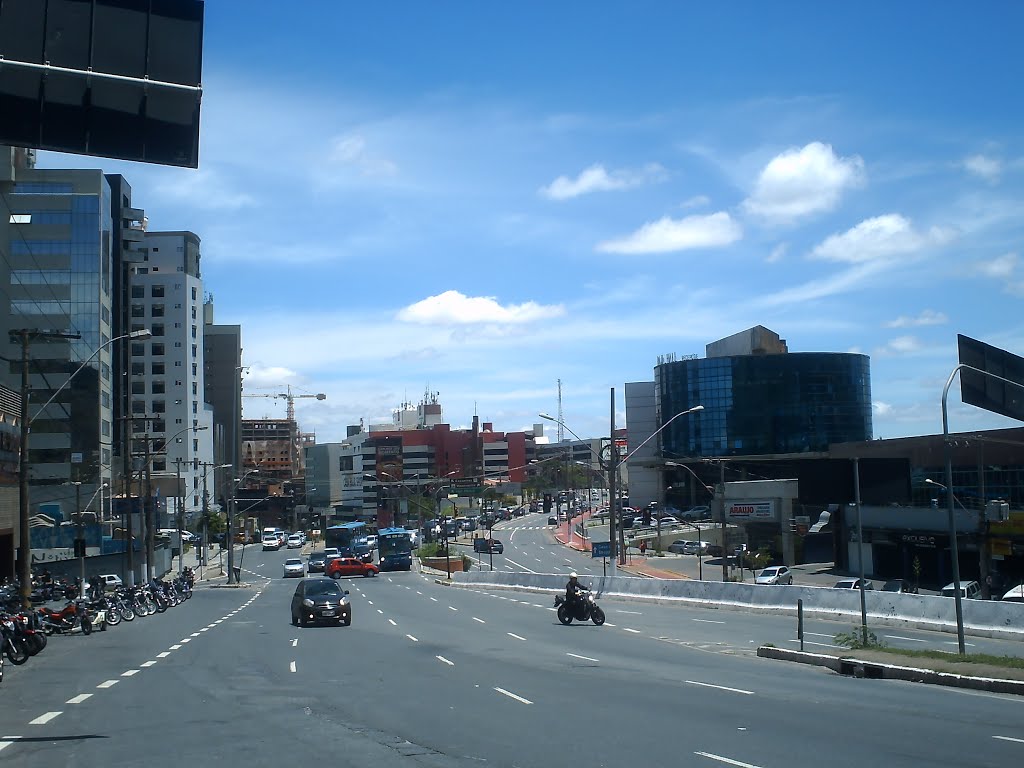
x=573, y=575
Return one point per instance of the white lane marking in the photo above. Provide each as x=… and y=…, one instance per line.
x=634, y=631
x=5, y=744
x=810, y=642
x=818, y=634
x=538, y=605
x=291, y=667
x=725, y=760
x=194, y=634
x=513, y=696
x=434, y=599
x=513, y=634
x=480, y=620
x=219, y=621
x=538, y=560
x=419, y=593
x=295, y=642
x=147, y=664
x=392, y=622
x=1009, y=738
x=412, y=638
x=519, y=565
x=450, y=608
x=953, y=642
x=709, y=621
x=389, y=579
x=163, y=655
x=175, y=647
x=380, y=611
x=577, y=656
x=908, y=639
x=44, y=718
x=721, y=687
x=635, y=613
x=79, y=698
x=606, y=624
x=186, y=640
x=130, y=673
x=445, y=661
x=108, y=684
x=204, y=629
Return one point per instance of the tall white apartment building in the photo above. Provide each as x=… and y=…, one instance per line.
x=166, y=377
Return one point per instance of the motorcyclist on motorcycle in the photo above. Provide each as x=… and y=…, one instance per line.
x=573, y=591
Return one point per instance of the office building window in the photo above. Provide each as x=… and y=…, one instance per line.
x=138, y=349
x=159, y=387
x=157, y=310
x=138, y=310
x=138, y=369
x=159, y=465
x=157, y=291
x=157, y=350
x=159, y=369
x=157, y=329
x=138, y=387
x=138, y=291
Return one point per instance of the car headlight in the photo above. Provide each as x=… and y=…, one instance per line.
x=308, y=603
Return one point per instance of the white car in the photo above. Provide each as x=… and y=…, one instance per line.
x=294, y=541
x=1015, y=595
x=110, y=582
x=853, y=584
x=293, y=567
x=271, y=542
x=970, y=590
x=775, y=574
x=371, y=541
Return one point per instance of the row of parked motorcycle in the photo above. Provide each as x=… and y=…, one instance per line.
x=24, y=633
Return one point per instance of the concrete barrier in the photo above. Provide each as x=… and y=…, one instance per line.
x=985, y=618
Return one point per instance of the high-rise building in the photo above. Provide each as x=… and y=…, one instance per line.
x=167, y=378
x=222, y=363
x=56, y=235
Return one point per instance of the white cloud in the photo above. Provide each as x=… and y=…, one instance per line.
x=1000, y=267
x=801, y=182
x=988, y=168
x=777, y=253
x=878, y=238
x=454, y=308
x=351, y=152
x=207, y=187
x=901, y=345
x=697, y=201
x=880, y=408
x=666, y=235
x=927, y=317
x=597, y=179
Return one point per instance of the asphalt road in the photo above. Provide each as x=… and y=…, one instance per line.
x=439, y=676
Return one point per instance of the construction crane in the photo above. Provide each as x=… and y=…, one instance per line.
x=290, y=397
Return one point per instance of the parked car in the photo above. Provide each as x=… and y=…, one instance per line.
x=294, y=541
x=110, y=581
x=320, y=599
x=349, y=566
x=968, y=589
x=853, y=584
x=1015, y=595
x=900, y=586
x=488, y=545
x=316, y=563
x=293, y=567
x=552, y=520
x=697, y=513
x=668, y=520
x=774, y=574
x=679, y=547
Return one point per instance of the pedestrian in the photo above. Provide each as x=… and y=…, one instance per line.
x=643, y=547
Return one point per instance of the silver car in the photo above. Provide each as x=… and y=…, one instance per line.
x=775, y=574
x=293, y=567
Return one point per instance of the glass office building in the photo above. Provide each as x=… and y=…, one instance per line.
x=756, y=404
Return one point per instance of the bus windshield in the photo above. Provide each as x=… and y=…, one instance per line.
x=395, y=548
x=344, y=536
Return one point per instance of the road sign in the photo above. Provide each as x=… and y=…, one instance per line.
x=600, y=549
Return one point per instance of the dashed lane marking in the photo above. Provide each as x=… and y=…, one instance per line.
x=517, y=637
x=634, y=631
x=175, y=647
x=1009, y=738
x=709, y=621
x=107, y=684
x=393, y=622
x=291, y=667
x=295, y=642
x=412, y=638
x=511, y=695
x=908, y=639
x=130, y=673
x=163, y=655
x=721, y=687
x=445, y=661
x=480, y=620
x=452, y=608
x=147, y=664
x=725, y=760
x=79, y=698
x=585, y=658
x=44, y=718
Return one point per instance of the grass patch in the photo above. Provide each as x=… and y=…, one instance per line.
x=1009, y=662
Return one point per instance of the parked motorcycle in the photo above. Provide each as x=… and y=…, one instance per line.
x=71, y=617
x=586, y=608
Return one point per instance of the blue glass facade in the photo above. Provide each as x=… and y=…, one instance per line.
x=764, y=404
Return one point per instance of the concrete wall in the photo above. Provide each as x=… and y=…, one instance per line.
x=981, y=617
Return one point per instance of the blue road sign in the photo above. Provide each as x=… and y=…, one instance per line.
x=600, y=549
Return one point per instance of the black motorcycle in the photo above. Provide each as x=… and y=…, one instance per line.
x=586, y=607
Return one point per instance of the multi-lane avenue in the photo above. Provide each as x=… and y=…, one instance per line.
x=435, y=675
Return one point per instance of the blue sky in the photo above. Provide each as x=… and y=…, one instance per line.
x=480, y=199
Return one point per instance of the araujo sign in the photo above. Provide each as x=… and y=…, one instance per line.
x=750, y=511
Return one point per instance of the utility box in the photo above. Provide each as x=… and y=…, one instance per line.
x=997, y=511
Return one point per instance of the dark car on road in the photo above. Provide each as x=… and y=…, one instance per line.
x=317, y=562
x=320, y=600
x=488, y=545
x=900, y=586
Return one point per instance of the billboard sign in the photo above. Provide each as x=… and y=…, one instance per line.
x=750, y=511
x=988, y=392
x=112, y=78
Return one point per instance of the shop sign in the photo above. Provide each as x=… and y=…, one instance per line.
x=918, y=539
x=745, y=511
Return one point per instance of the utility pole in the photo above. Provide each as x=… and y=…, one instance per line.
x=179, y=515
x=725, y=553
x=613, y=469
x=24, y=336
x=80, y=537
x=206, y=520
x=149, y=514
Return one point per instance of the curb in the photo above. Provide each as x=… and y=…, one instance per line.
x=849, y=665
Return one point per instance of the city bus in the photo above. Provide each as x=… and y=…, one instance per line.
x=394, y=548
x=344, y=536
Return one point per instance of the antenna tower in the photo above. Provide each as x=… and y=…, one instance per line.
x=561, y=429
